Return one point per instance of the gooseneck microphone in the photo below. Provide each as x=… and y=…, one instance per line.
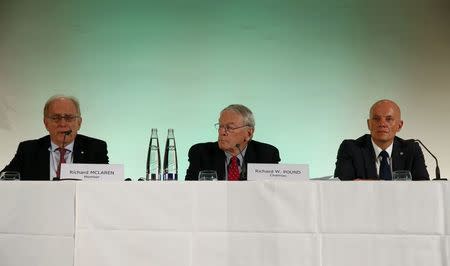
x=438, y=172
x=243, y=175
x=66, y=133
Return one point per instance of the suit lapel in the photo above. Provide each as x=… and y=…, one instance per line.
x=43, y=159
x=369, y=158
x=219, y=162
x=398, y=158
x=250, y=157
x=250, y=154
x=78, y=153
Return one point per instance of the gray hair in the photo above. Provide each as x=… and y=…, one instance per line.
x=246, y=113
x=56, y=97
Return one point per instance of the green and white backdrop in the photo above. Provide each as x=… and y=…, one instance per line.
x=309, y=70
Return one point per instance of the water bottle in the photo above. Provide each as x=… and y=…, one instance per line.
x=153, y=169
x=170, y=158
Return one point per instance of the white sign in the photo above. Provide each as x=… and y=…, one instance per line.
x=265, y=171
x=95, y=172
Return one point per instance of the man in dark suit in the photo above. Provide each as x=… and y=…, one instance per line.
x=40, y=159
x=234, y=149
x=377, y=155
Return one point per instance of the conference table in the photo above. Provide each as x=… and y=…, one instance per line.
x=316, y=223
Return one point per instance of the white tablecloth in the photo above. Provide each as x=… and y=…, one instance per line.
x=37, y=223
x=227, y=223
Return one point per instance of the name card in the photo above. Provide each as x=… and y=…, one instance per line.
x=265, y=171
x=95, y=172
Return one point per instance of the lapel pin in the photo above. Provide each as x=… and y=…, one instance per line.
x=82, y=152
x=401, y=153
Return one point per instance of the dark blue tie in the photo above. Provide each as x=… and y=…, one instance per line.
x=385, y=169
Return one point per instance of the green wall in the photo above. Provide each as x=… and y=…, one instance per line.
x=308, y=71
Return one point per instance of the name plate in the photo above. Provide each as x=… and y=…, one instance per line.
x=265, y=171
x=95, y=172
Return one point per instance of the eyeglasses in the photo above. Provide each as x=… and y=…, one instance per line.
x=59, y=118
x=227, y=128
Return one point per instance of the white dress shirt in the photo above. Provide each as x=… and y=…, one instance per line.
x=378, y=158
x=54, y=157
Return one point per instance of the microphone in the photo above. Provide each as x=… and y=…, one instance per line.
x=438, y=172
x=66, y=133
x=243, y=175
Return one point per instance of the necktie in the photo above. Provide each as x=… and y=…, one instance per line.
x=385, y=169
x=233, y=169
x=62, y=159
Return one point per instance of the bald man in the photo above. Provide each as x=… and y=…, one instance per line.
x=378, y=154
x=39, y=159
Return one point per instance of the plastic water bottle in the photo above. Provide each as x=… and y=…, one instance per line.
x=153, y=169
x=170, y=158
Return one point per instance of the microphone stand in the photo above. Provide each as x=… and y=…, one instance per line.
x=243, y=175
x=438, y=172
x=68, y=132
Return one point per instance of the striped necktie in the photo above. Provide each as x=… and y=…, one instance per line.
x=62, y=159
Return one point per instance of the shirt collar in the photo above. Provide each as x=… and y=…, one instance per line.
x=68, y=147
x=378, y=150
x=239, y=156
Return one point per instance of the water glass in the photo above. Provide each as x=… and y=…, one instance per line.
x=10, y=176
x=207, y=175
x=401, y=175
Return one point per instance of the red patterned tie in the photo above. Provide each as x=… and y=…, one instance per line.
x=233, y=169
x=62, y=159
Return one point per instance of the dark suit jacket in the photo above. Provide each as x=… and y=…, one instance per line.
x=208, y=156
x=356, y=159
x=32, y=158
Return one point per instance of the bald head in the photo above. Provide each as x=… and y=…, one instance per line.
x=386, y=102
x=384, y=122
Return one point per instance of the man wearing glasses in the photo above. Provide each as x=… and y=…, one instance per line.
x=41, y=159
x=234, y=149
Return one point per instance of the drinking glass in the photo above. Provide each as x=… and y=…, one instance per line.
x=10, y=175
x=401, y=175
x=207, y=175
